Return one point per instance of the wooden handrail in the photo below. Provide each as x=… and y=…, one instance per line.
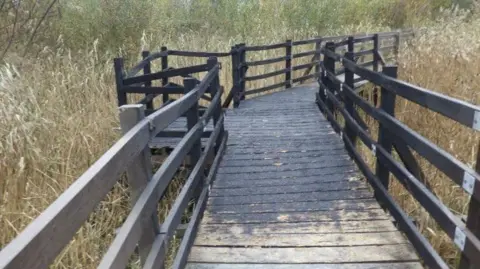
x=40, y=242
x=393, y=134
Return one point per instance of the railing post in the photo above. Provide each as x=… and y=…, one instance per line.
x=138, y=174
x=214, y=88
x=376, y=51
x=318, y=46
x=329, y=63
x=288, y=64
x=351, y=45
x=396, y=46
x=235, y=76
x=164, y=67
x=118, y=68
x=147, y=69
x=192, y=119
x=243, y=69
x=349, y=81
x=473, y=219
x=387, y=104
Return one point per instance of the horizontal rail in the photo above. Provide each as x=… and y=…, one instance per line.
x=268, y=61
x=266, y=75
x=305, y=66
x=166, y=74
x=306, y=53
x=153, y=90
x=446, y=219
x=189, y=236
x=385, y=48
x=341, y=43
x=364, y=39
x=139, y=67
x=363, y=52
x=307, y=77
x=198, y=53
x=306, y=41
x=457, y=110
x=265, y=47
x=420, y=243
x=266, y=88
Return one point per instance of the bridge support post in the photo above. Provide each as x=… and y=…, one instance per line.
x=387, y=103
x=118, y=68
x=351, y=46
x=396, y=46
x=243, y=69
x=288, y=64
x=164, y=67
x=349, y=81
x=318, y=57
x=235, y=76
x=138, y=174
x=147, y=69
x=473, y=220
x=376, y=51
x=192, y=119
x=214, y=88
x=329, y=64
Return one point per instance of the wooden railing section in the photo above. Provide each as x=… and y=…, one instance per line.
x=40, y=243
x=340, y=97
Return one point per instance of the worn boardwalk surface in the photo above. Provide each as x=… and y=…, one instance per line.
x=287, y=193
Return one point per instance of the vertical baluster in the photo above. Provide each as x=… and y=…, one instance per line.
x=118, y=68
x=147, y=69
x=165, y=67
x=387, y=103
x=288, y=64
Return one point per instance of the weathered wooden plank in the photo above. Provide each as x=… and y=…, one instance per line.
x=287, y=181
x=284, y=160
x=300, y=240
x=232, y=156
x=291, y=197
x=386, y=253
x=293, y=188
x=397, y=265
x=355, y=226
x=361, y=204
x=312, y=216
x=281, y=167
x=318, y=147
x=286, y=174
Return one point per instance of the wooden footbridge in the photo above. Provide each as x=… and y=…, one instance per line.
x=277, y=180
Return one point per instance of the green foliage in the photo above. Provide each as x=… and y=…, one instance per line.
x=123, y=23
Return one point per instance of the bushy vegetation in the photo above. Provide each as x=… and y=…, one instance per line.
x=58, y=110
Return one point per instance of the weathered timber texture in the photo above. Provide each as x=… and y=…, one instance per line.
x=288, y=196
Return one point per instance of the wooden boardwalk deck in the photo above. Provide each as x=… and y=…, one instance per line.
x=287, y=193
